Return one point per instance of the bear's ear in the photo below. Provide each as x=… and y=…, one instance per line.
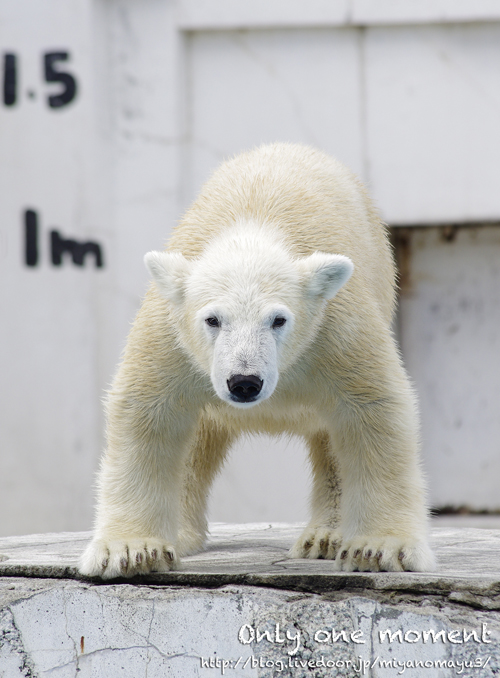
x=169, y=271
x=325, y=274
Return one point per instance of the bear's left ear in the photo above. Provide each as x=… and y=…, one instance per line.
x=325, y=274
x=169, y=271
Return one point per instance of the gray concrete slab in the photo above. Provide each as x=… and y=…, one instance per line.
x=256, y=555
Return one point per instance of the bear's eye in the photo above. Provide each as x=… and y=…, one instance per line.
x=212, y=322
x=278, y=322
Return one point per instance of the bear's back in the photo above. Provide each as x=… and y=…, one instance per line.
x=316, y=202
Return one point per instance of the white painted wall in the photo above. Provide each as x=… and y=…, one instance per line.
x=407, y=94
x=51, y=161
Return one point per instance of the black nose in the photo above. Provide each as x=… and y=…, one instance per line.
x=244, y=387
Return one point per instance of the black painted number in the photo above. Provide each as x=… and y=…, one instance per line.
x=54, y=75
x=53, y=71
x=9, y=79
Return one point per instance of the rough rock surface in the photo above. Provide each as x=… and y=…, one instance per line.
x=242, y=608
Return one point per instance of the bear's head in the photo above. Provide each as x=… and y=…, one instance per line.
x=246, y=309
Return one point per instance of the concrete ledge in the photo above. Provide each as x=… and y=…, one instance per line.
x=256, y=555
x=242, y=608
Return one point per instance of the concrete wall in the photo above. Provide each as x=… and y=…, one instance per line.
x=406, y=95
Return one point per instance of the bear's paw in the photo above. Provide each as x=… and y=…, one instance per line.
x=385, y=554
x=317, y=542
x=364, y=554
x=114, y=558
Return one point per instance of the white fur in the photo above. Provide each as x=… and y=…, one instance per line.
x=280, y=275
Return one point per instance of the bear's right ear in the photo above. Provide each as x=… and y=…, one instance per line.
x=169, y=271
x=325, y=273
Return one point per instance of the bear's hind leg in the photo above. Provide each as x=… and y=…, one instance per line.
x=206, y=457
x=321, y=538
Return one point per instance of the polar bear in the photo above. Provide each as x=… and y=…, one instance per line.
x=270, y=311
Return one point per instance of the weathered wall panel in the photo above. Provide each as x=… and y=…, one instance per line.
x=450, y=336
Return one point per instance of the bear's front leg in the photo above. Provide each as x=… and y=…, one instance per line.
x=139, y=488
x=383, y=516
x=383, y=506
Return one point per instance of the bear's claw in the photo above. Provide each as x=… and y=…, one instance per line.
x=113, y=558
x=321, y=542
x=364, y=554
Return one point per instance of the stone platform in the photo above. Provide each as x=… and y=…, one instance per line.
x=242, y=608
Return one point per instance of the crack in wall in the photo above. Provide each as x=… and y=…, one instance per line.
x=65, y=612
x=106, y=650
